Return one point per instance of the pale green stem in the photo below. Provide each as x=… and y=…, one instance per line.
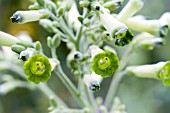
x=49, y=93
x=64, y=27
x=53, y=52
x=78, y=38
x=17, y=69
x=70, y=86
x=79, y=33
x=117, y=77
x=91, y=99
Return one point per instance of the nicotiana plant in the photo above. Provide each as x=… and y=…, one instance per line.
x=90, y=60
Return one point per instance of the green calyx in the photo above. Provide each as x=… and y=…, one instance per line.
x=37, y=68
x=105, y=63
x=123, y=37
x=165, y=74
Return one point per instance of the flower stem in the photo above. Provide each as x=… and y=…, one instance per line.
x=91, y=99
x=48, y=92
x=70, y=86
x=117, y=77
x=43, y=87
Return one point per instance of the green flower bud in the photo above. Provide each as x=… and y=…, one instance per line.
x=60, y=11
x=7, y=39
x=37, y=68
x=86, y=22
x=117, y=30
x=80, y=18
x=17, y=48
x=160, y=71
x=49, y=42
x=112, y=5
x=105, y=63
x=35, y=6
x=40, y=2
x=48, y=25
x=21, y=17
x=38, y=46
x=84, y=3
x=50, y=5
x=26, y=44
x=56, y=41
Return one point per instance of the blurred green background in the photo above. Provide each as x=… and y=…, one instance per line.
x=139, y=95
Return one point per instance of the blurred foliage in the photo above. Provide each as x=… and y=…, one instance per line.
x=139, y=95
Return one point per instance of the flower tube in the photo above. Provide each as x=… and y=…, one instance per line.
x=7, y=39
x=151, y=26
x=130, y=9
x=117, y=30
x=21, y=17
x=160, y=71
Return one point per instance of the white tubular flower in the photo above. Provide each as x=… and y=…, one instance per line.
x=21, y=17
x=93, y=81
x=7, y=39
x=165, y=19
x=160, y=71
x=155, y=27
x=94, y=50
x=73, y=16
x=142, y=25
x=7, y=53
x=117, y=30
x=146, y=71
x=24, y=36
x=130, y=9
x=147, y=41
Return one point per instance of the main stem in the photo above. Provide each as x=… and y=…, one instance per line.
x=117, y=77
x=70, y=86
